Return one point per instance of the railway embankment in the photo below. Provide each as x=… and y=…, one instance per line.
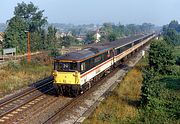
x=124, y=105
x=16, y=75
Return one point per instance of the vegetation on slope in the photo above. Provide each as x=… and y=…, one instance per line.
x=18, y=75
x=159, y=93
x=123, y=101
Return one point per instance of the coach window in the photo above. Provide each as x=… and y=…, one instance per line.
x=97, y=59
x=108, y=55
x=111, y=53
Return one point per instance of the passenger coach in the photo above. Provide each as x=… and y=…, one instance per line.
x=77, y=71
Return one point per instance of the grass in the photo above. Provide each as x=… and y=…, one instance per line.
x=123, y=105
x=18, y=75
x=123, y=101
x=177, y=51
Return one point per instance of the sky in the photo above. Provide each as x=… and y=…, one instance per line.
x=158, y=12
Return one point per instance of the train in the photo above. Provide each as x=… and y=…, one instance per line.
x=75, y=72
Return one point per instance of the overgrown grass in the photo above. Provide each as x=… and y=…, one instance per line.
x=122, y=103
x=17, y=75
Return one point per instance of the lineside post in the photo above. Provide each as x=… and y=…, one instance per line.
x=29, y=49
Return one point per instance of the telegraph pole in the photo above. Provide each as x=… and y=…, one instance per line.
x=29, y=48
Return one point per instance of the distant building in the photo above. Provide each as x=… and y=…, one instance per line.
x=1, y=36
x=97, y=36
x=63, y=34
x=1, y=39
x=81, y=37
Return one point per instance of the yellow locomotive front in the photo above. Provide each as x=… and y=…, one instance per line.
x=66, y=76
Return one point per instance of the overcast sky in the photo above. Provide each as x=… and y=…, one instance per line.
x=158, y=12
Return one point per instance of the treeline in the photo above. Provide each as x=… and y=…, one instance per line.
x=28, y=18
x=171, y=33
x=160, y=102
x=111, y=32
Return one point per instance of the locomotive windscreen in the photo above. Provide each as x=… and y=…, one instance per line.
x=65, y=66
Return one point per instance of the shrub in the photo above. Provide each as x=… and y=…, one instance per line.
x=13, y=65
x=23, y=62
x=178, y=60
x=54, y=52
x=175, y=70
x=161, y=57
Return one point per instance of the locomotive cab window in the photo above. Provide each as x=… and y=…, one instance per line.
x=65, y=66
x=83, y=67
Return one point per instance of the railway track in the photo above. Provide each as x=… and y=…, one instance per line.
x=62, y=111
x=23, y=100
x=80, y=107
x=37, y=93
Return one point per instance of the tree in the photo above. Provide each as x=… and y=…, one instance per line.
x=161, y=57
x=112, y=37
x=90, y=37
x=69, y=40
x=27, y=17
x=51, y=37
x=32, y=16
x=15, y=35
x=172, y=37
x=171, y=33
x=174, y=25
x=149, y=87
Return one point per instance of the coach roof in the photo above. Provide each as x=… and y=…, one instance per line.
x=92, y=50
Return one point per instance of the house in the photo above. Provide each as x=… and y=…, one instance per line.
x=81, y=37
x=63, y=34
x=1, y=37
x=97, y=36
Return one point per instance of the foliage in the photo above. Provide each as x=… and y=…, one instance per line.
x=51, y=36
x=112, y=37
x=69, y=40
x=160, y=102
x=172, y=25
x=121, y=103
x=89, y=38
x=172, y=37
x=161, y=57
x=178, y=60
x=160, y=96
x=15, y=76
x=54, y=52
x=111, y=32
x=31, y=15
x=13, y=65
x=164, y=107
x=28, y=18
x=171, y=33
x=15, y=35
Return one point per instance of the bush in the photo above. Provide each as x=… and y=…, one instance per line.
x=178, y=60
x=23, y=62
x=161, y=57
x=13, y=65
x=54, y=52
x=175, y=70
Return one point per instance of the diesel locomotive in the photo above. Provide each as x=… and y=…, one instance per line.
x=77, y=71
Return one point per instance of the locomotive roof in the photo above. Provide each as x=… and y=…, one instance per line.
x=94, y=49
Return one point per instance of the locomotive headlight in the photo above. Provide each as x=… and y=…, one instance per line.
x=54, y=73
